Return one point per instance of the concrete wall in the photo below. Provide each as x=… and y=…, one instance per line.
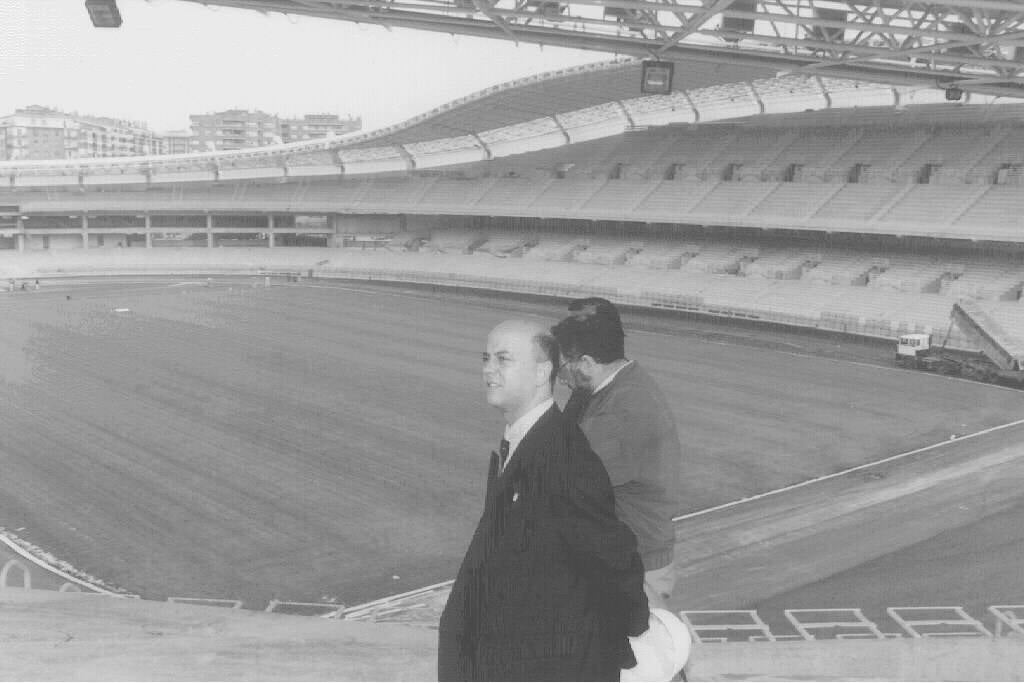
x=367, y=225
x=903, y=659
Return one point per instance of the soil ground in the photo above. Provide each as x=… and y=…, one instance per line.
x=327, y=442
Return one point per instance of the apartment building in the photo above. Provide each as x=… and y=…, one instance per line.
x=239, y=128
x=37, y=132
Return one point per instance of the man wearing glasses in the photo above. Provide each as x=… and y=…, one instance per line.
x=630, y=426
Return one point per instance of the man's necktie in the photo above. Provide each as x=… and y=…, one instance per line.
x=503, y=454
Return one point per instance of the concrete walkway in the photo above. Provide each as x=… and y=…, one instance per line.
x=46, y=635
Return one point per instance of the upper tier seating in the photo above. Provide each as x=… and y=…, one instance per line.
x=881, y=149
x=931, y=204
x=562, y=196
x=858, y=202
x=792, y=200
x=999, y=208
x=954, y=149
x=454, y=194
x=1006, y=147
x=616, y=195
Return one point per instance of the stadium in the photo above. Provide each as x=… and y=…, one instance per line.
x=249, y=380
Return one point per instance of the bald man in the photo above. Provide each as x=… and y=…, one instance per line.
x=552, y=584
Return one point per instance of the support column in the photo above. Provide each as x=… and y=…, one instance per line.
x=149, y=231
x=334, y=221
x=270, y=231
x=209, y=230
x=85, y=231
x=19, y=239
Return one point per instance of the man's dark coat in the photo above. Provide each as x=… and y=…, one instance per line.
x=551, y=584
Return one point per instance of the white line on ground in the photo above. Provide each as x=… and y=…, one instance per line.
x=834, y=475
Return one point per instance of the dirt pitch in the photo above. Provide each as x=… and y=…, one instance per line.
x=311, y=443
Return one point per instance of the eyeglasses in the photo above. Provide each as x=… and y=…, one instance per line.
x=566, y=362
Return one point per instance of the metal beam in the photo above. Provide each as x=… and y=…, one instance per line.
x=893, y=41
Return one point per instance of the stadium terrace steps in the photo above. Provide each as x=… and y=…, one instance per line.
x=952, y=147
x=639, y=153
x=780, y=264
x=695, y=153
x=791, y=200
x=617, y=197
x=752, y=150
x=912, y=275
x=985, y=281
x=451, y=193
x=388, y=194
x=554, y=248
x=1006, y=147
x=512, y=192
x=732, y=198
x=605, y=252
x=670, y=200
x=816, y=150
x=929, y=204
x=335, y=194
x=563, y=196
x=998, y=208
x=657, y=255
x=857, y=203
x=719, y=258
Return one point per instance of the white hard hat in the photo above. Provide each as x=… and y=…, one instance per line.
x=661, y=651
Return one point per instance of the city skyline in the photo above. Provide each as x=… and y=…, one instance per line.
x=38, y=133
x=170, y=59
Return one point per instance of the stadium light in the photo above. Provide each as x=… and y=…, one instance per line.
x=656, y=78
x=103, y=13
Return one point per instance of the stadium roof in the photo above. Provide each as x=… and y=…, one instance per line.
x=549, y=94
x=974, y=45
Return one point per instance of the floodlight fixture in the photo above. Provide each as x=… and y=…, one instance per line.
x=656, y=77
x=103, y=13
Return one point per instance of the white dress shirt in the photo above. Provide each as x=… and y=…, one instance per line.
x=515, y=432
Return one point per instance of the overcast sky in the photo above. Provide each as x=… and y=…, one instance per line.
x=170, y=59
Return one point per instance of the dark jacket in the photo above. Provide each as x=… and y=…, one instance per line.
x=551, y=584
x=630, y=425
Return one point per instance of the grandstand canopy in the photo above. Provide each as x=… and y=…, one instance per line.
x=547, y=95
x=974, y=45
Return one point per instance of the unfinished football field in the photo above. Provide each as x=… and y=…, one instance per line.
x=306, y=442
